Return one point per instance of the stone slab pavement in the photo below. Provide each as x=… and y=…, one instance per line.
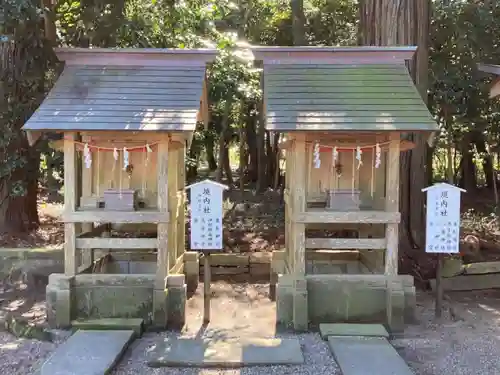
x=367, y=355
x=88, y=353
x=220, y=353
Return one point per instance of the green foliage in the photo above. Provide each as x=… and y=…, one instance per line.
x=463, y=34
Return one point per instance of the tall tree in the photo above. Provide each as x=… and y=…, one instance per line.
x=405, y=22
x=24, y=58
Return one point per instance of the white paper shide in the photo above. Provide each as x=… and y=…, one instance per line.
x=443, y=219
x=206, y=215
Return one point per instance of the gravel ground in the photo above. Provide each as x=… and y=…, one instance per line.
x=19, y=356
x=318, y=361
x=465, y=342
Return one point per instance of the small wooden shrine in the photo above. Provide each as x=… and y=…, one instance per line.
x=343, y=114
x=126, y=117
x=495, y=85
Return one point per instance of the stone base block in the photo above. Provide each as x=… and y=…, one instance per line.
x=192, y=270
x=160, y=309
x=60, y=300
x=176, y=301
x=345, y=299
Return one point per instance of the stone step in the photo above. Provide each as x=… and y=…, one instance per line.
x=226, y=353
x=88, y=353
x=349, y=329
x=367, y=355
x=110, y=324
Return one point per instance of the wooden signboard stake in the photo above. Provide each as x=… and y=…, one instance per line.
x=206, y=229
x=439, y=286
x=442, y=229
x=206, y=288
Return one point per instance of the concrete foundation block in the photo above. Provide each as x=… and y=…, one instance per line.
x=160, y=309
x=300, y=308
x=192, y=270
x=277, y=268
x=59, y=298
x=176, y=307
x=395, y=306
x=284, y=302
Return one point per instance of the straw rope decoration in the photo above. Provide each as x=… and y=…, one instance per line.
x=357, y=155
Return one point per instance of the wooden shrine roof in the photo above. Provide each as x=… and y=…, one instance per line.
x=125, y=90
x=353, y=89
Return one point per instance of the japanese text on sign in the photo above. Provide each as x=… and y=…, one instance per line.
x=206, y=216
x=443, y=219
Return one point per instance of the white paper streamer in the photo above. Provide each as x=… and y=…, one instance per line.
x=317, y=160
x=125, y=159
x=359, y=154
x=87, y=156
x=378, y=154
x=148, y=152
x=335, y=157
x=115, y=154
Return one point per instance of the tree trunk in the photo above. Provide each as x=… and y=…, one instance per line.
x=251, y=138
x=223, y=164
x=482, y=150
x=468, y=179
x=298, y=22
x=19, y=192
x=209, y=149
x=262, y=182
x=405, y=22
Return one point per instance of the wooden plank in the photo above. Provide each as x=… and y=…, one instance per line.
x=313, y=216
x=104, y=110
x=392, y=204
x=335, y=106
x=347, y=118
x=86, y=181
x=118, y=217
x=481, y=268
x=323, y=93
x=178, y=265
x=335, y=126
x=116, y=243
x=359, y=90
x=127, y=70
x=89, y=117
x=162, y=263
x=173, y=162
x=181, y=195
x=70, y=194
x=298, y=184
x=337, y=81
x=119, y=80
x=345, y=243
x=469, y=282
x=119, y=95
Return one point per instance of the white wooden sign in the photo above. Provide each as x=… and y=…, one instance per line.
x=206, y=215
x=443, y=218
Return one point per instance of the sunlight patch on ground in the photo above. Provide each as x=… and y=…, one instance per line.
x=10, y=345
x=15, y=305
